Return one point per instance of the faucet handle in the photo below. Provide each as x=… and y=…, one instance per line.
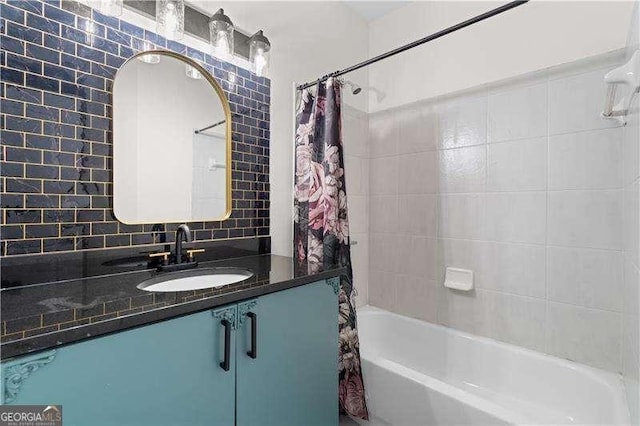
x=165, y=256
x=191, y=252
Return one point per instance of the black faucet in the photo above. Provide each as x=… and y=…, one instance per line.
x=181, y=232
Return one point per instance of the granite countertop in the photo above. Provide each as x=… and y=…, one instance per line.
x=42, y=316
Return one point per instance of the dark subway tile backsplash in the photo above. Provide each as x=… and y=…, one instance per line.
x=56, y=134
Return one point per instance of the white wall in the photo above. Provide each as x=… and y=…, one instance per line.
x=309, y=39
x=537, y=35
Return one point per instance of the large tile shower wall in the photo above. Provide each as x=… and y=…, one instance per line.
x=521, y=182
x=58, y=64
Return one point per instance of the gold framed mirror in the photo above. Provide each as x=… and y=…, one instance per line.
x=171, y=141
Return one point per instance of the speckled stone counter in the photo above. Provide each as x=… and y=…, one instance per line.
x=41, y=316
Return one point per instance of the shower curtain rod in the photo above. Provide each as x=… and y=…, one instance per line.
x=423, y=40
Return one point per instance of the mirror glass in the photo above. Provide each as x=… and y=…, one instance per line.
x=171, y=142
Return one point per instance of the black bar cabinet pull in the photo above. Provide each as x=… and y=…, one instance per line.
x=227, y=345
x=253, y=353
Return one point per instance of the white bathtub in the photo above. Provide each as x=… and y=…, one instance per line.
x=417, y=373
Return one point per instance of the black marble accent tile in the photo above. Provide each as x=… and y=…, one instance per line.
x=58, y=158
x=12, y=138
x=131, y=30
x=41, y=231
x=75, y=63
x=58, y=187
x=23, y=216
x=74, y=118
x=90, y=54
x=117, y=240
x=42, y=201
x=74, y=145
x=23, y=33
x=75, y=229
x=59, y=15
x=43, y=83
x=12, y=232
x=43, y=24
x=41, y=112
x=36, y=171
x=12, y=201
x=23, y=247
x=59, y=101
x=12, y=169
x=104, y=228
x=90, y=161
x=23, y=185
x=23, y=155
x=57, y=216
x=42, y=53
x=59, y=73
x=100, y=202
x=13, y=107
x=58, y=129
x=74, y=35
x=106, y=46
x=12, y=14
x=90, y=80
x=84, y=243
x=71, y=89
x=88, y=215
x=58, y=244
x=9, y=75
x=23, y=124
x=11, y=44
x=75, y=201
x=24, y=63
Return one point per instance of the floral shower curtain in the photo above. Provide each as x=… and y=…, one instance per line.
x=321, y=225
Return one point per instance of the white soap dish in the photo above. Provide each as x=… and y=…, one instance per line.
x=459, y=279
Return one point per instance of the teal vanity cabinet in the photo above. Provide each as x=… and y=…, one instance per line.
x=271, y=360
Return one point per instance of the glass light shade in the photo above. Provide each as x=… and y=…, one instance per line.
x=170, y=19
x=221, y=35
x=259, y=54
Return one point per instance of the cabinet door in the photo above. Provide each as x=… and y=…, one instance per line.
x=293, y=379
x=167, y=373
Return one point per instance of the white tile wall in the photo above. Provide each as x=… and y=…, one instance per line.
x=526, y=185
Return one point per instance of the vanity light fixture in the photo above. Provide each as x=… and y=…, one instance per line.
x=259, y=47
x=170, y=19
x=221, y=35
x=106, y=7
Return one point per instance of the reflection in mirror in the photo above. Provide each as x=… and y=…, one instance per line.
x=172, y=146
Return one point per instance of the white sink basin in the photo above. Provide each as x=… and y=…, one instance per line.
x=195, y=280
